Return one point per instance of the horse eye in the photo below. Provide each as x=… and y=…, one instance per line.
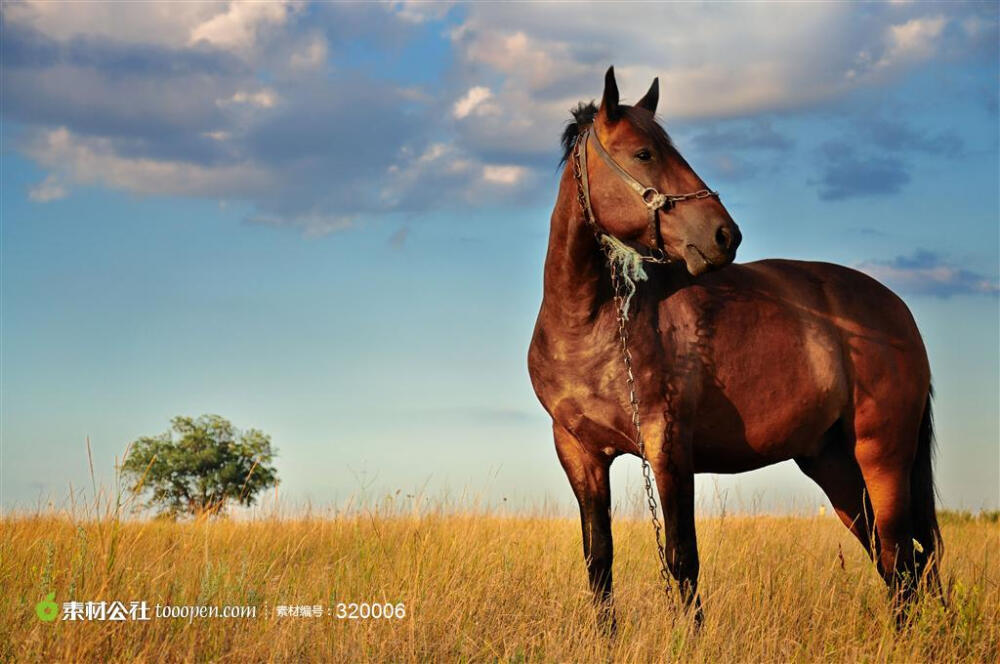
x=643, y=155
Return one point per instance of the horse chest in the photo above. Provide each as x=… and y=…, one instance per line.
x=583, y=386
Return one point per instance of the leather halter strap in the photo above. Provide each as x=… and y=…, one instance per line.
x=651, y=198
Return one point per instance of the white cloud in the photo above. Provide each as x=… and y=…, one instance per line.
x=165, y=23
x=95, y=161
x=447, y=171
x=234, y=26
x=218, y=135
x=265, y=98
x=237, y=28
x=416, y=11
x=152, y=100
x=49, y=189
x=473, y=101
x=912, y=41
x=433, y=152
x=713, y=61
x=506, y=175
x=927, y=273
x=515, y=52
x=903, y=44
x=156, y=103
x=312, y=54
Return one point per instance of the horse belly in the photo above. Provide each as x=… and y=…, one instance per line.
x=771, y=401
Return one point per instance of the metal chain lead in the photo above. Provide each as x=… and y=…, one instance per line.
x=621, y=307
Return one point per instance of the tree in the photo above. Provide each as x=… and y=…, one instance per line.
x=199, y=465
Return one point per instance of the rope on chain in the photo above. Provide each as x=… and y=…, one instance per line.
x=626, y=269
x=628, y=262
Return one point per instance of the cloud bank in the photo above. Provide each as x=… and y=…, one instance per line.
x=269, y=103
x=928, y=273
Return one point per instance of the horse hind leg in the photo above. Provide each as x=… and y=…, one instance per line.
x=837, y=473
x=886, y=462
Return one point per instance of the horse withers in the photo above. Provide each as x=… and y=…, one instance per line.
x=734, y=369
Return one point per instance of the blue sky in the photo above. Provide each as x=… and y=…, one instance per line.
x=328, y=221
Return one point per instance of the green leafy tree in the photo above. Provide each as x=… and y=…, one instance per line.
x=200, y=465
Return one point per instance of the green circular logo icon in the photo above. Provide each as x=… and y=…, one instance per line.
x=47, y=609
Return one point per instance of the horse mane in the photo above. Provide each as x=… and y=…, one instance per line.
x=583, y=117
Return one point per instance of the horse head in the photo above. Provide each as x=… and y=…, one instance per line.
x=641, y=190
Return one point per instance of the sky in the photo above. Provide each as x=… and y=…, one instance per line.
x=328, y=221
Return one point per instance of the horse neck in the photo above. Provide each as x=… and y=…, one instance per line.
x=575, y=274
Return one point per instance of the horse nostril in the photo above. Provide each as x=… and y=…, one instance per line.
x=723, y=238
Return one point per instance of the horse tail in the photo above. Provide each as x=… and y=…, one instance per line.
x=922, y=502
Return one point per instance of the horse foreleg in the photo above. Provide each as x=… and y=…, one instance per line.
x=588, y=475
x=673, y=468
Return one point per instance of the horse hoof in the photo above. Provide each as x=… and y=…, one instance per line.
x=608, y=625
x=699, y=618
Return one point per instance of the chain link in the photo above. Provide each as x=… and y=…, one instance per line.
x=621, y=308
x=581, y=195
x=694, y=195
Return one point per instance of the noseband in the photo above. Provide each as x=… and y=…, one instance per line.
x=651, y=198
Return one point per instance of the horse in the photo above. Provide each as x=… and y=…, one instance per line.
x=736, y=366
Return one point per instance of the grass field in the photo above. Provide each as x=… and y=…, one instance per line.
x=489, y=586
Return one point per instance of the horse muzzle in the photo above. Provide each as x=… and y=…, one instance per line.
x=715, y=252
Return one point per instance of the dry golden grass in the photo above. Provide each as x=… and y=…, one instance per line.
x=480, y=587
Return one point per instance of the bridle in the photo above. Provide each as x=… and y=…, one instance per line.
x=651, y=198
x=623, y=288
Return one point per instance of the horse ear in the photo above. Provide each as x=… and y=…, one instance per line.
x=609, y=102
x=652, y=97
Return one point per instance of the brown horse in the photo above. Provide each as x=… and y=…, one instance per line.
x=735, y=369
